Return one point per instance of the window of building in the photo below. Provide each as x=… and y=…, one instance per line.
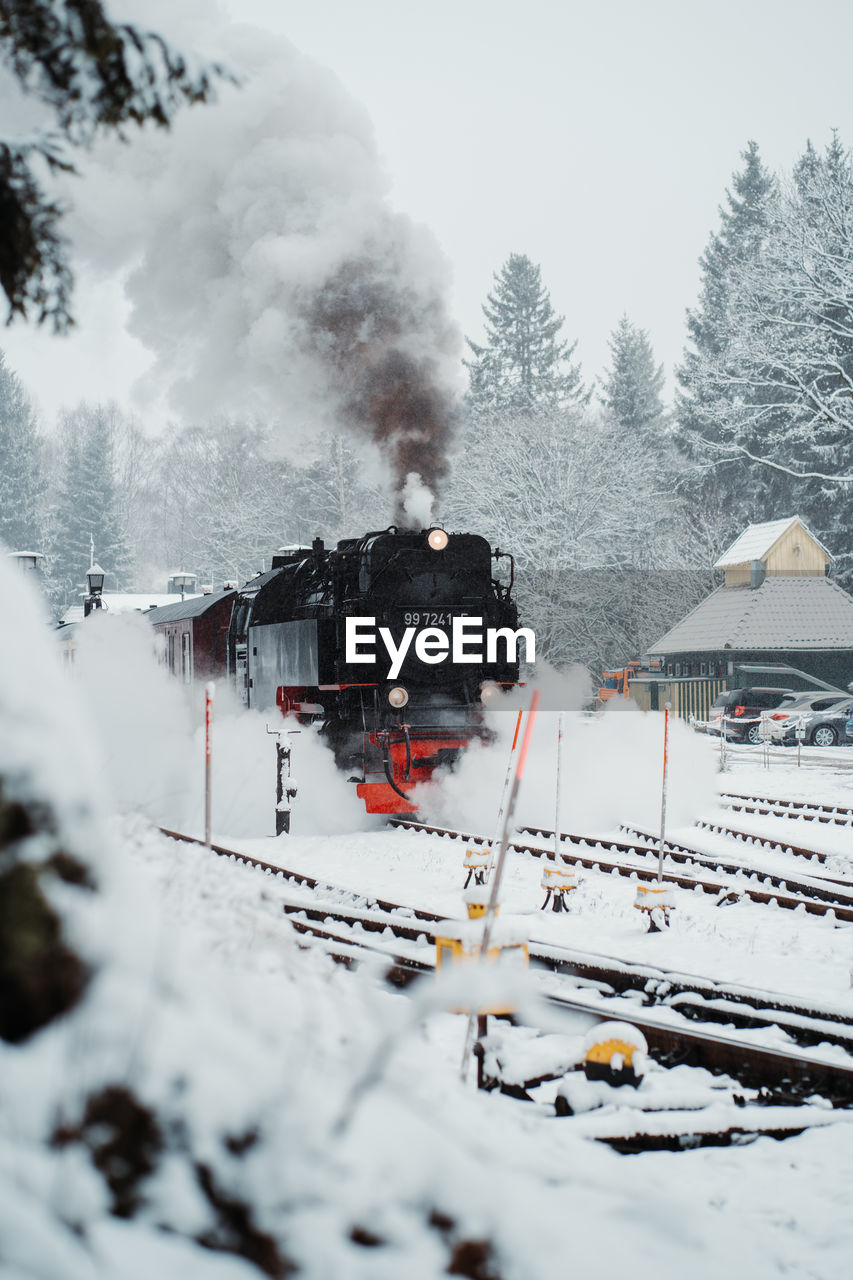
x=186, y=669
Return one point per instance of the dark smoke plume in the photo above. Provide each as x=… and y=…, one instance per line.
x=362, y=323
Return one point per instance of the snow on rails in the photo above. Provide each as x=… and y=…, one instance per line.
x=684, y=1019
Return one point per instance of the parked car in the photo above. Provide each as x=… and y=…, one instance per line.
x=737, y=712
x=806, y=710
x=831, y=727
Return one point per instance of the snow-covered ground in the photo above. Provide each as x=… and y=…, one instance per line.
x=280, y=1111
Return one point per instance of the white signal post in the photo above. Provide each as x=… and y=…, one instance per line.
x=492, y=908
x=558, y=874
x=557, y=856
x=208, y=743
x=504, y=795
x=663, y=791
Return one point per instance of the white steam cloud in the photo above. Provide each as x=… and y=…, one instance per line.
x=612, y=767
x=148, y=728
x=268, y=273
x=418, y=502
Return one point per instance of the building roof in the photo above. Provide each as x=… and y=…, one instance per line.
x=783, y=613
x=191, y=607
x=757, y=541
x=126, y=602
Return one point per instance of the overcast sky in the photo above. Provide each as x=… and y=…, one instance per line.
x=597, y=138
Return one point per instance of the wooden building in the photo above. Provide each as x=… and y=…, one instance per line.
x=777, y=620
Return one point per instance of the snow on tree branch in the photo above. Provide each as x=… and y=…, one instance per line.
x=93, y=76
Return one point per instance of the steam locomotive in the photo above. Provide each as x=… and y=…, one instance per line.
x=392, y=642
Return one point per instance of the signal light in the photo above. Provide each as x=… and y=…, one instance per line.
x=437, y=539
x=398, y=697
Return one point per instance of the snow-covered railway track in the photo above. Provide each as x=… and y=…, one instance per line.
x=295, y=877
x=784, y=1076
x=834, y=890
x=809, y=811
x=670, y=1031
x=767, y=841
x=307, y=919
x=693, y=998
x=790, y=1074
x=686, y=1131
x=701, y=999
x=761, y=887
x=345, y=950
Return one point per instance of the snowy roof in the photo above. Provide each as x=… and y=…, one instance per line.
x=757, y=540
x=126, y=602
x=783, y=613
x=191, y=607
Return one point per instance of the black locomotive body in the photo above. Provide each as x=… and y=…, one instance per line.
x=292, y=642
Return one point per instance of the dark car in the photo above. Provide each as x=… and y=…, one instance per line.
x=808, y=714
x=737, y=712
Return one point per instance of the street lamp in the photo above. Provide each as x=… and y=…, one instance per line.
x=95, y=583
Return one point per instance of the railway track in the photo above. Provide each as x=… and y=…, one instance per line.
x=767, y=840
x=597, y=855
x=765, y=806
x=835, y=890
x=675, y=1003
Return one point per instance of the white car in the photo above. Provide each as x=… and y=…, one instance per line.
x=802, y=713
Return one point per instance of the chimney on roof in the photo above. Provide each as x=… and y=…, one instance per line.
x=757, y=572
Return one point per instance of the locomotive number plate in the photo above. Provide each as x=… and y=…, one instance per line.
x=431, y=617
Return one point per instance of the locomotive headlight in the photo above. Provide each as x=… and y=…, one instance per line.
x=489, y=690
x=437, y=539
x=398, y=697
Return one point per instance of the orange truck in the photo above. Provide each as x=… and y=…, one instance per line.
x=615, y=683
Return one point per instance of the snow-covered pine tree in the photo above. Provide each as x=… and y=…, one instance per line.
x=590, y=526
x=523, y=366
x=89, y=507
x=719, y=480
x=633, y=384
x=781, y=391
x=22, y=483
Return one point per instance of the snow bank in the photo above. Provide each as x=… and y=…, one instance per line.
x=42, y=753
